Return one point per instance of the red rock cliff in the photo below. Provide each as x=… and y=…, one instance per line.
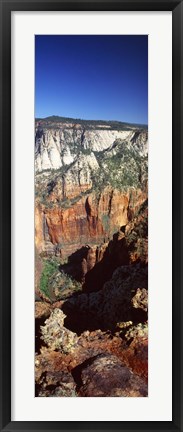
x=91, y=220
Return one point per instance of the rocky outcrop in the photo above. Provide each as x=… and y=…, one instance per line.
x=101, y=364
x=56, y=384
x=52, y=376
x=55, y=335
x=106, y=376
x=140, y=299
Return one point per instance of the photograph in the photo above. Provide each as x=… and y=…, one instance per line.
x=91, y=215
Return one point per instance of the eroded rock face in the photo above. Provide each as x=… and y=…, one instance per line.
x=56, y=147
x=90, y=220
x=88, y=184
x=99, y=365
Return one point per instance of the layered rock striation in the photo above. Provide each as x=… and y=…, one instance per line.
x=57, y=145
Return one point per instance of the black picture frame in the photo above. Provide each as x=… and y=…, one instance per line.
x=6, y=7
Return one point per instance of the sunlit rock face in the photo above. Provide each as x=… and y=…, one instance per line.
x=55, y=148
x=90, y=220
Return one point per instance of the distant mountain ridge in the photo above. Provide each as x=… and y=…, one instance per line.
x=112, y=124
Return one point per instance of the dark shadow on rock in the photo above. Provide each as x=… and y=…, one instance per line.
x=138, y=316
x=74, y=266
x=38, y=341
x=100, y=310
x=76, y=372
x=116, y=254
x=78, y=321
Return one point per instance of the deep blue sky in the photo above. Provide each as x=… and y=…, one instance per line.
x=92, y=77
